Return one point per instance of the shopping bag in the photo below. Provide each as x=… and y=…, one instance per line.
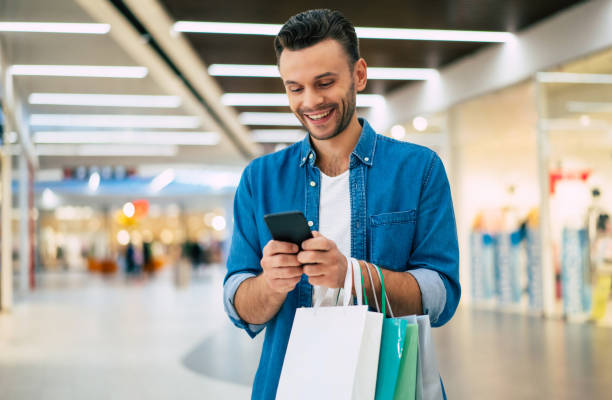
x=428, y=385
x=391, y=349
x=407, y=373
x=332, y=352
x=397, y=367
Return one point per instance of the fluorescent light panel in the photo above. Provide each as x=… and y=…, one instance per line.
x=92, y=71
x=568, y=77
x=109, y=150
x=116, y=121
x=277, y=135
x=281, y=99
x=442, y=35
x=260, y=71
x=128, y=137
x=268, y=118
x=271, y=71
x=55, y=27
x=402, y=74
x=105, y=100
x=362, y=32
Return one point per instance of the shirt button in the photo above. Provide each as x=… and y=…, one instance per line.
x=313, y=183
x=310, y=156
x=310, y=223
x=367, y=159
x=303, y=159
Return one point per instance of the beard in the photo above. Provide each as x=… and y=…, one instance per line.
x=345, y=111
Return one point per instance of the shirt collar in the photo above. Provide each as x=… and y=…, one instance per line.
x=364, y=151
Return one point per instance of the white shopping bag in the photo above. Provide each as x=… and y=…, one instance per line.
x=429, y=386
x=332, y=353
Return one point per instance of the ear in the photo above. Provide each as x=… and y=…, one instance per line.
x=360, y=74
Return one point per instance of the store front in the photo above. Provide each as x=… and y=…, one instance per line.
x=530, y=167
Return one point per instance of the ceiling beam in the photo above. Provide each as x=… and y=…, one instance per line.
x=159, y=24
x=132, y=43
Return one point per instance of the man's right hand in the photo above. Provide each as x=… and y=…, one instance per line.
x=281, y=269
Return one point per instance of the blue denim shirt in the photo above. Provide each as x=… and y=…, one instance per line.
x=402, y=219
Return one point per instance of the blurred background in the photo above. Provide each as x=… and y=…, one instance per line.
x=126, y=125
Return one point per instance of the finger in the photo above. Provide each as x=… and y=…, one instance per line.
x=313, y=257
x=280, y=260
x=316, y=234
x=286, y=272
x=314, y=269
x=276, y=247
x=318, y=243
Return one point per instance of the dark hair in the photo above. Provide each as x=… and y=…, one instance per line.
x=313, y=26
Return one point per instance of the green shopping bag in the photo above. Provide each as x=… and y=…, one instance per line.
x=397, y=363
x=407, y=374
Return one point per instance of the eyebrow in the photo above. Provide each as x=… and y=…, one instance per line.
x=323, y=75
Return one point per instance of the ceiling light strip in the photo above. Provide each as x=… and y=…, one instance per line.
x=128, y=137
x=569, y=77
x=116, y=121
x=93, y=71
x=269, y=118
x=263, y=71
x=271, y=71
x=85, y=150
x=281, y=99
x=362, y=32
x=55, y=27
x=442, y=35
x=105, y=100
x=277, y=135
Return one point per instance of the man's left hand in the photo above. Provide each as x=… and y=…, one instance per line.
x=324, y=264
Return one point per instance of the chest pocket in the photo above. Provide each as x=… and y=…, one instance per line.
x=391, y=237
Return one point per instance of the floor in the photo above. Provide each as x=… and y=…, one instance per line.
x=84, y=337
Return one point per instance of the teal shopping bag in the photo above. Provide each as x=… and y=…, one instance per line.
x=391, y=348
x=397, y=363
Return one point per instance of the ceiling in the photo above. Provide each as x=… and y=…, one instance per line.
x=101, y=50
x=140, y=37
x=484, y=15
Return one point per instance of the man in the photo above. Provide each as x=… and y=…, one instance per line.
x=364, y=195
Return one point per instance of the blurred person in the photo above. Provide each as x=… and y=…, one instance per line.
x=366, y=196
x=131, y=266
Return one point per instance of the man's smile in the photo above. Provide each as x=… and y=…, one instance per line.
x=320, y=117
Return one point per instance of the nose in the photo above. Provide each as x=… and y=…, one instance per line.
x=312, y=99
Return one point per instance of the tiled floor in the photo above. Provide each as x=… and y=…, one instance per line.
x=83, y=337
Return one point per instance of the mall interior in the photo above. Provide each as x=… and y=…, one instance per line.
x=126, y=125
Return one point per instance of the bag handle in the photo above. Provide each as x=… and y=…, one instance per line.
x=384, y=293
x=372, y=286
x=357, y=281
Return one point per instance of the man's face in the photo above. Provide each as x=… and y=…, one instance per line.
x=320, y=86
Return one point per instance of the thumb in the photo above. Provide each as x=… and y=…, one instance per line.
x=316, y=234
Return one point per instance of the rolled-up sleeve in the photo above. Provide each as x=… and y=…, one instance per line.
x=433, y=292
x=435, y=246
x=229, y=292
x=245, y=252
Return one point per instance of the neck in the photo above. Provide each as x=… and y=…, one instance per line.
x=333, y=155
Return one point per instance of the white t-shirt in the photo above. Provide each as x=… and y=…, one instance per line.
x=334, y=223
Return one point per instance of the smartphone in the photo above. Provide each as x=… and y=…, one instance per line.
x=288, y=227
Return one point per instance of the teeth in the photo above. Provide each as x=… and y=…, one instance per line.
x=318, y=116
